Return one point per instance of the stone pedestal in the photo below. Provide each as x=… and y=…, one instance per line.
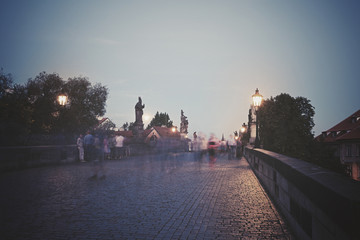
x=138, y=130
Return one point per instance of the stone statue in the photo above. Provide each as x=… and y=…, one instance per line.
x=138, y=128
x=184, y=123
x=139, y=111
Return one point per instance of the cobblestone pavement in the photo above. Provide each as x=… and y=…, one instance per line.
x=168, y=197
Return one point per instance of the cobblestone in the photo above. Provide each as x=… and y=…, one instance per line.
x=168, y=197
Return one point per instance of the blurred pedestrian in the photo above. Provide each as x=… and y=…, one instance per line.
x=106, y=148
x=80, y=146
x=88, y=146
x=111, y=143
x=238, y=149
x=231, y=147
x=98, y=161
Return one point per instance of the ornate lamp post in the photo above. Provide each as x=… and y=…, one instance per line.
x=257, y=99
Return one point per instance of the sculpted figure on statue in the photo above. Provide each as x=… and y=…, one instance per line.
x=139, y=111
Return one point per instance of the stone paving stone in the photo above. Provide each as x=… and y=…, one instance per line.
x=170, y=197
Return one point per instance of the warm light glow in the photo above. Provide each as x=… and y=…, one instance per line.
x=257, y=98
x=236, y=137
x=62, y=99
x=173, y=129
x=146, y=117
x=242, y=130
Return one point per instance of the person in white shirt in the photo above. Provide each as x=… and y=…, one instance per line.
x=119, y=146
x=80, y=145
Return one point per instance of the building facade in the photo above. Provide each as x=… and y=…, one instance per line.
x=345, y=138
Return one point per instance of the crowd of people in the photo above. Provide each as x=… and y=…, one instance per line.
x=96, y=148
x=100, y=147
x=233, y=146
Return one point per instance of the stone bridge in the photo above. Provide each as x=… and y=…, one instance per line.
x=176, y=196
x=169, y=196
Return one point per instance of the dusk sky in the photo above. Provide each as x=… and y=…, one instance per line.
x=203, y=57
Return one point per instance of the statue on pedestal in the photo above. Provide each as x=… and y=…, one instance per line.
x=139, y=111
x=184, y=123
x=138, y=125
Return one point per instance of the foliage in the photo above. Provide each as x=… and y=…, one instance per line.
x=285, y=125
x=160, y=119
x=324, y=155
x=128, y=126
x=15, y=117
x=33, y=109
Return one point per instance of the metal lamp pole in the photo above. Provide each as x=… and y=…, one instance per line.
x=257, y=99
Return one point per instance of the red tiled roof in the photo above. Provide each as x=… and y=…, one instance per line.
x=162, y=131
x=102, y=120
x=127, y=134
x=347, y=124
x=347, y=129
x=165, y=132
x=353, y=134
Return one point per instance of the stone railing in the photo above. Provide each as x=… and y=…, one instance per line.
x=317, y=203
x=13, y=158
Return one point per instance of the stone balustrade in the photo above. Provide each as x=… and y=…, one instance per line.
x=317, y=203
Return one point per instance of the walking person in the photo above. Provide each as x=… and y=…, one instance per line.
x=106, y=148
x=231, y=148
x=88, y=146
x=80, y=146
x=111, y=143
x=98, y=161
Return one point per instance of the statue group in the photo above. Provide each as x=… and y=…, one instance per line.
x=139, y=124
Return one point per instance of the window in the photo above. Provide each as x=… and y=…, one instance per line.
x=348, y=150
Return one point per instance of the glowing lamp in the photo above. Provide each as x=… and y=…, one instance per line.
x=62, y=99
x=243, y=128
x=257, y=98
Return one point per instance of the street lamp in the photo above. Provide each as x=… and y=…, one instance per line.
x=257, y=99
x=243, y=128
x=62, y=99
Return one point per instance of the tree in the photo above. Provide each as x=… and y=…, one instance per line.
x=128, y=126
x=87, y=102
x=15, y=117
x=285, y=125
x=33, y=109
x=42, y=93
x=160, y=119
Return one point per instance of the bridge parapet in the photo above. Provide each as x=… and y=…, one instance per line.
x=14, y=158
x=317, y=203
